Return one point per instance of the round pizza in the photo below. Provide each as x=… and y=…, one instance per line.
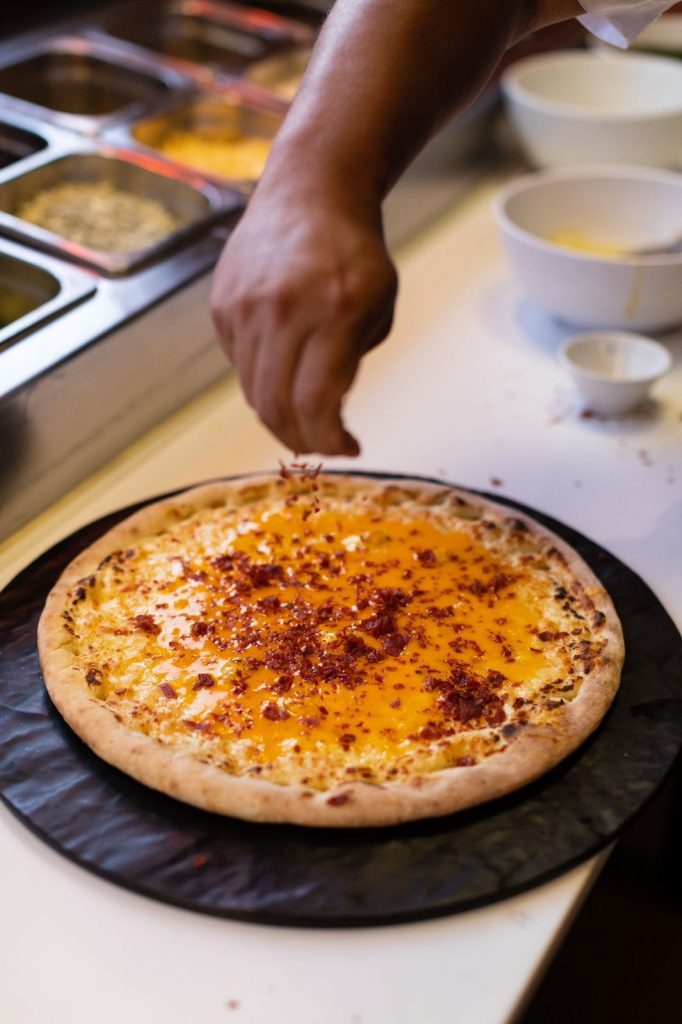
x=330, y=650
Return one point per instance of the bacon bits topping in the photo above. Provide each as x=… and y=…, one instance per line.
x=465, y=697
x=197, y=726
x=274, y=713
x=395, y=643
x=204, y=681
x=263, y=574
x=427, y=558
x=93, y=676
x=306, y=644
x=146, y=624
x=492, y=587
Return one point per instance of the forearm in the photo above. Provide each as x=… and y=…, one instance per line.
x=384, y=76
x=305, y=286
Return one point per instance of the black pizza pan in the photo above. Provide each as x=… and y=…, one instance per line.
x=151, y=844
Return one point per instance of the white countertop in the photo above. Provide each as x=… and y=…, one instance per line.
x=466, y=389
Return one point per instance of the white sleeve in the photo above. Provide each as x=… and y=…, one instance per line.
x=621, y=21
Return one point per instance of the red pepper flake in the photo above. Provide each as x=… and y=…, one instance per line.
x=200, y=861
x=496, y=482
x=465, y=762
x=121, y=692
x=233, y=1004
x=347, y=740
x=199, y=629
x=396, y=703
x=168, y=691
x=204, y=681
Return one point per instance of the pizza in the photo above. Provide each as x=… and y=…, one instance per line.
x=330, y=650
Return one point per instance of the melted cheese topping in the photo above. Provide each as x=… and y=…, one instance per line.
x=316, y=642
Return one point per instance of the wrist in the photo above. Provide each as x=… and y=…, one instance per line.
x=301, y=175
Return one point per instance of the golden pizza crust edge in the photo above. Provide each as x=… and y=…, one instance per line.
x=532, y=751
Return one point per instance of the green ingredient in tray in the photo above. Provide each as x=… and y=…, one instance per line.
x=98, y=215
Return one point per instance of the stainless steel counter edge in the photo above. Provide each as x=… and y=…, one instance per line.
x=113, y=304
x=97, y=398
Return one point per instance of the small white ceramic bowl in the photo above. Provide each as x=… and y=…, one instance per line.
x=578, y=107
x=624, y=208
x=614, y=370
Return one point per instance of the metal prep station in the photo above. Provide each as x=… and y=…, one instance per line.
x=96, y=346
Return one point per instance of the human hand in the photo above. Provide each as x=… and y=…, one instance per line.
x=302, y=290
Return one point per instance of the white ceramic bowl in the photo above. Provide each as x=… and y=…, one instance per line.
x=614, y=370
x=622, y=207
x=578, y=107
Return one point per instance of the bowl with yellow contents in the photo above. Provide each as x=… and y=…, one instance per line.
x=597, y=246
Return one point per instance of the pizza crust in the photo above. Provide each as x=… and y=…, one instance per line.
x=531, y=752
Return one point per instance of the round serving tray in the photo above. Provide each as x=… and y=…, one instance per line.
x=152, y=844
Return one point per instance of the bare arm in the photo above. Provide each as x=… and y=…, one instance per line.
x=305, y=286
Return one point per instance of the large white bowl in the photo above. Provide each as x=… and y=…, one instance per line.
x=622, y=207
x=578, y=107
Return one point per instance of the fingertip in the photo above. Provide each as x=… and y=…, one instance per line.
x=351, y=445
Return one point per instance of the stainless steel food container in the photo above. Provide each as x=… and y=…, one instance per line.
x=35, y=289
x=219, y=112
x=98, y=359
x=17, y=143
x=80, y=83
x=104, y=353
x=194, y=201
x=199, y=36
x=89, y=380
x=281, y=72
